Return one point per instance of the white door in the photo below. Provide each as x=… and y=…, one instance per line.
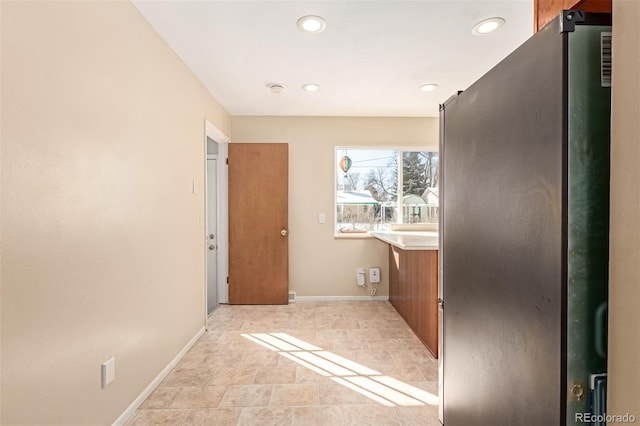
x=212, y=237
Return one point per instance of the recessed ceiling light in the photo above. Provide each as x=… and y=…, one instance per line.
x=310, y=87
x=312, y=24
x=276, y=88
x=428, y=87
x=487, y=26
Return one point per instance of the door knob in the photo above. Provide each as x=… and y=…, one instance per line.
x=211, y=236
x=284, y=232
x=212, y=247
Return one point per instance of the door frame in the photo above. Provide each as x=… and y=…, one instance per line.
x=222, y=236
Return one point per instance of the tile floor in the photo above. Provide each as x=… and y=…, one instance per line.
x=308, y=363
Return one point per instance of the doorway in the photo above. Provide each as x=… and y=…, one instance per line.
x=212, y=232
x=215, y=219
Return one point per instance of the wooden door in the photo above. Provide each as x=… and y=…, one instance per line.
x=258, y=223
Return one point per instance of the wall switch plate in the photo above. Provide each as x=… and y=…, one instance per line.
x=108, y=371
x=322, y=218
x=374, y=275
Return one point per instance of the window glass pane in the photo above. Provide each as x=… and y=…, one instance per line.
x=371, y=193
x=420, y=187
x=366, y=189
x=212, y=146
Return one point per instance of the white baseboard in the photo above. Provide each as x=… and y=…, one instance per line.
x=333, y=298
x=159, y=378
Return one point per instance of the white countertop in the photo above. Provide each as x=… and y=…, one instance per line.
x=409, y=240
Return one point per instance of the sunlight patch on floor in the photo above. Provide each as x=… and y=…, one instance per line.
x=372, y=384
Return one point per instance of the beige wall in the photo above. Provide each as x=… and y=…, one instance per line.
x=102, y=253
x=319, y=264
x=624, y=285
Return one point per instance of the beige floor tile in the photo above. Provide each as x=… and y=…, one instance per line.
x=335, y=394
x=275, y=375
x=411, y=356
x=292, y=395
x=364, y=334
x=212, y=417
x=418, y=416
x=187, y=377
x=369, y=415
x=306, y=335
x=266, y=416
x=325, y=323
x=194, y=360
x=246, y=396
x=345, y=324
x=286, y=362
x=198, y=397
x=431, y=387
x=395, y=332
x=317, y=416
x=305, y=375
x=228, y=360
x=405, y=373
x=330, y=315
x=162, y=397
x=349, y=345
x=373, y=357
x=305, y=324
x=266, y=358
x=232, y=376
x=429, y=371
x=382, y=323
x=332, y=334
x=228, y=325
x=158, y=417
x=241, y=347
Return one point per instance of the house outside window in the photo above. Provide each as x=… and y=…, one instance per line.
x=378, y=187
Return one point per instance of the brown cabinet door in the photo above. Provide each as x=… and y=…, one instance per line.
x=413, y=292
x=258, y=223
x=545, y=11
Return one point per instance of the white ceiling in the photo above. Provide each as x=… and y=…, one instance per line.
x=368, y=62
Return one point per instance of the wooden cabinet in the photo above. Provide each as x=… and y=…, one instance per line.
x=546, y=10
x=413, y=292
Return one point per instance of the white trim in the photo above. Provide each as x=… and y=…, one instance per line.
x=334, y=298
x=128, y=413
x=216, y=134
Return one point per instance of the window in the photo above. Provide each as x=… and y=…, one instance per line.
x=371, y=194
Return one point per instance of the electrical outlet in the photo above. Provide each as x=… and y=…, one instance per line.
x=360, y=277
x=374, y=275
x=372, y=292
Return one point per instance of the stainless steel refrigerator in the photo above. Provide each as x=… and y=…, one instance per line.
x=524, y=233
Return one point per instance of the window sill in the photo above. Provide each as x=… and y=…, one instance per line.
x=352, y=236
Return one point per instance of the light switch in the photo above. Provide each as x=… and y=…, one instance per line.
x=322, y=218
x=108, y=371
